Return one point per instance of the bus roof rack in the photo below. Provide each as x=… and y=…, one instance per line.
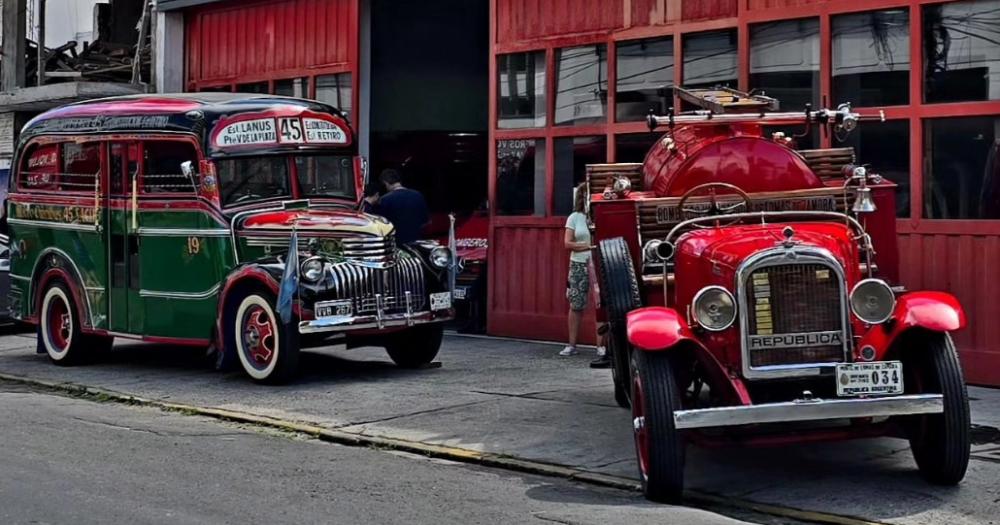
x=720, y=99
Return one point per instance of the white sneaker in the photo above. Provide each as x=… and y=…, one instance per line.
x=568, y=351
x=601, y=351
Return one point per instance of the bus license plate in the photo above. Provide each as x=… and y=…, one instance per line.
x=440, y=301
x=341, y=308
x=878, y=378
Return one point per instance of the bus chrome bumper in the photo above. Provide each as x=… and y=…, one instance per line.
x=809, y=410
x=344, y=323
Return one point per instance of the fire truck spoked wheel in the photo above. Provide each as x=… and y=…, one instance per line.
x=940, y=442
x=59, y=328
x=415, y=347
x=619, y=295
x=659, y=447
x=265, y=349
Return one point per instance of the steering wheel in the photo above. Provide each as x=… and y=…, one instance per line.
x=711, y=189
x=246, y=196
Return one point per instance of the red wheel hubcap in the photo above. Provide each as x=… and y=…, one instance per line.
x=60, y=324
x=639, y=425
x=258, y=336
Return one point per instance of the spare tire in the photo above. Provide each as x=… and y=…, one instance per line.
x=619, y=296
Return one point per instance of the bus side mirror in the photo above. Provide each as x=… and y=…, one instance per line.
x=187, y=168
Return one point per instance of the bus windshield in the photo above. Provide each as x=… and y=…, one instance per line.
x=252, y=179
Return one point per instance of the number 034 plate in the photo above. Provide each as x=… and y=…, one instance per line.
x=877, y=378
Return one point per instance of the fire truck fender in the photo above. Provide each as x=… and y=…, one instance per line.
x=934, y=311
x=660, y=329
x=656, y=328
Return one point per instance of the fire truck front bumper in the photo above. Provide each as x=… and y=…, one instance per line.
x=809, y=410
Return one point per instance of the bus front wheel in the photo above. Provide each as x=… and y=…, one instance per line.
x=267, y=350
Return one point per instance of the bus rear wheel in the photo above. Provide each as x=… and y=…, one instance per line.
x=268, y=353
x=59, y=328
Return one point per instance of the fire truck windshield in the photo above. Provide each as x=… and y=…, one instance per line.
x=252, y=179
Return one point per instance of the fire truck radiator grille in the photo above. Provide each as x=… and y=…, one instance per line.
x=362, y=285
x=796, y=299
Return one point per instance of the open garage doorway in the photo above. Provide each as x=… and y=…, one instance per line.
x=428, y=111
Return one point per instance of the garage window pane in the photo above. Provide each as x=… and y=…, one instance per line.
x=521, y=177
x=645, y=78
x=521, y=90
x=572, y=154
x=292, y=87
x=962, y=179
x=581, y=85
x=871, y=58
x=962, y=48
x=710, y=59
x=633, y=147
x=336, y=91
x=255, y=87
x=885, y=147
x=784, y=61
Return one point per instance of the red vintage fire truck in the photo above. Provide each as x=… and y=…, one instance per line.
x=752, y=297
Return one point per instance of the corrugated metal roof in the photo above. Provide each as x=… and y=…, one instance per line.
x=170, y=5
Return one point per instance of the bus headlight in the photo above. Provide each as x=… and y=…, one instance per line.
x=312, y=269
x=872, y=301
x=714, y=308
x=439, y=257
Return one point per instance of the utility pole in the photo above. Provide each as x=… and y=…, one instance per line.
x=42, y=57
x=14, y=34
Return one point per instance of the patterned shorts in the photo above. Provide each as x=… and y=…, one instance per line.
x=578, y=285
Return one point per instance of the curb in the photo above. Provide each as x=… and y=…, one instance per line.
x=698, y=498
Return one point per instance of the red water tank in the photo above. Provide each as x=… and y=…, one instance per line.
x=733, y=153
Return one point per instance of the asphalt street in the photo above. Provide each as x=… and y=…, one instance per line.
x=519, y=400
x=67, y=460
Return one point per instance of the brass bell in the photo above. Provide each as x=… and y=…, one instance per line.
x=863, y=202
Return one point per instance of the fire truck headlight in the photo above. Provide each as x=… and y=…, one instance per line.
x=872, y=301
x=312, y=269
x=440, y=257
x=714, y=308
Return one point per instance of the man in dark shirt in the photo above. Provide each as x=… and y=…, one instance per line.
x=406, y=209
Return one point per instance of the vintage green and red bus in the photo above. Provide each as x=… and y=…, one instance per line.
x=169, y=218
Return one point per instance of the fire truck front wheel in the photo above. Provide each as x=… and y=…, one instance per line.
x=415, y=347
x=940, y=442
x=659, y=447
x=268, y=351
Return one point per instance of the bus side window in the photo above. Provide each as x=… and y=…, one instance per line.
x=124, y=164
x=40, y=168
x=81, y=166
x=162, y=161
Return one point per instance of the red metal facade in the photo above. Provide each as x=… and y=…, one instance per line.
x=242, y=42
x=952, y=255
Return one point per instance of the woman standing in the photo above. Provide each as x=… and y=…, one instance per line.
x=577, y=242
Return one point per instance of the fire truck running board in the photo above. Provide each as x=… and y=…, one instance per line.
x=809, y=410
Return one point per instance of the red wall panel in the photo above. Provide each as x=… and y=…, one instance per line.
x=530, y=267
x=964, y=266
x=242, y=41
x=518, y=20
x=708, y=9
x=772, y=4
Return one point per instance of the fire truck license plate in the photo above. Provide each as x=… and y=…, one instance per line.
x=440, y=301
x=333, y=308
x=878, y=378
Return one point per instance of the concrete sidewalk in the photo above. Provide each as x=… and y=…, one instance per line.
x=522, y=400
